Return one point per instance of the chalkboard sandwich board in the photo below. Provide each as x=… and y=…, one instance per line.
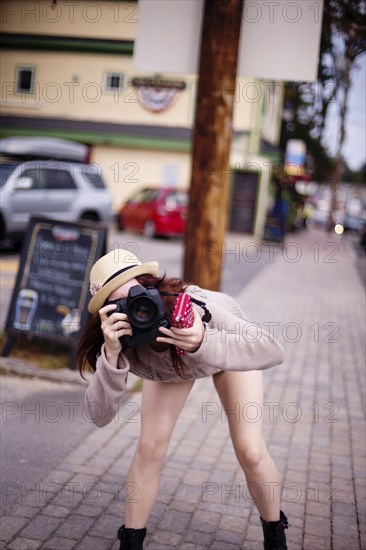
x=51, y=292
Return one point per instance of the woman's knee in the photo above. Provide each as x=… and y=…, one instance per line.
x=250, y=456
x=150, y=451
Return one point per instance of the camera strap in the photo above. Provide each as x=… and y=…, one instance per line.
x=207, y=315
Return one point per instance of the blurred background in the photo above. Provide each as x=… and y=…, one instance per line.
x=86, y=136
x=67, y=73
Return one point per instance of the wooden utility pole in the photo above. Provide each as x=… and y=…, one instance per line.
x=212, y=136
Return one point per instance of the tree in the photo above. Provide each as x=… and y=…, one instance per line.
x=343, y=39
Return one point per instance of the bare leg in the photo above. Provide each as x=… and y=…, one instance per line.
x=161, y=405
x=236, y=389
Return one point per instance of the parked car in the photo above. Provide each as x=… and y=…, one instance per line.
x=55, y=189
x=155, y=211
x=354, y=223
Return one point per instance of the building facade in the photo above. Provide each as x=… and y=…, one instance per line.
x=67, y=71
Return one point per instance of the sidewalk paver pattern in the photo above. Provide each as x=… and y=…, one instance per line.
x=312, y=299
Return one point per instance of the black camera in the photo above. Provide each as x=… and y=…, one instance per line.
x=146, y=313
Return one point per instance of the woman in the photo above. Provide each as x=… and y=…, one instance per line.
x=221, y=343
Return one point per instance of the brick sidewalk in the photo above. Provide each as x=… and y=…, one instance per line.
x=312, y=298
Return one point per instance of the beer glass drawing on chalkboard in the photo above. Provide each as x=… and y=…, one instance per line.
x=25, y=308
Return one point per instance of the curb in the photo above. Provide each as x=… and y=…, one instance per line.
x=19, y=367
x=26, y=369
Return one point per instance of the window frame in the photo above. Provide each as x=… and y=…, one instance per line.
x=53, y=184
x=108, y=75
x=20, y=68
x=48, y=179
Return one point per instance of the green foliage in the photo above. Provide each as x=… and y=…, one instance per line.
x=343, y=38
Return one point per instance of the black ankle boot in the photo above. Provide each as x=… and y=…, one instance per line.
x=131, y=539
x=274, y=533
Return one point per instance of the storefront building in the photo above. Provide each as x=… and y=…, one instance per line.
x=67, y=71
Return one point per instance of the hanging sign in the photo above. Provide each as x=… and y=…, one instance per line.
x=295, y=157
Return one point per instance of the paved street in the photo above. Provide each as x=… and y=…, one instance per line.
x=311, y=296
x=41, y=423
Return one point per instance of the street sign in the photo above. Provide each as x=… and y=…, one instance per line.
x=295, y=157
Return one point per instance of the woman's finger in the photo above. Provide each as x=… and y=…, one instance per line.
x=103, y=312
x=188, y=342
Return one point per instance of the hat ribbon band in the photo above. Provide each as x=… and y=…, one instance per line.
x=118, y=273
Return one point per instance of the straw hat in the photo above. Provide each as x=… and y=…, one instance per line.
x=112, y=271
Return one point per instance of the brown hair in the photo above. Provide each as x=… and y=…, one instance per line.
x=92, y=338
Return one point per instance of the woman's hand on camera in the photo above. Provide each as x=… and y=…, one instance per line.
x=188, y=339
x=113, y=325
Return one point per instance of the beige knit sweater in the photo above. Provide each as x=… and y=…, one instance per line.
x=231, y=342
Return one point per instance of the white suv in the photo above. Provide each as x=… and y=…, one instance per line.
x=61, y=190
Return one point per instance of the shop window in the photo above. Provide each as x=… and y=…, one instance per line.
x=114, y=81
x=25, y=77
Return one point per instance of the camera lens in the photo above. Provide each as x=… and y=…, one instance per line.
x=142, y=312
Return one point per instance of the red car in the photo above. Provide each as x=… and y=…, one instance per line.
x=155, y=211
